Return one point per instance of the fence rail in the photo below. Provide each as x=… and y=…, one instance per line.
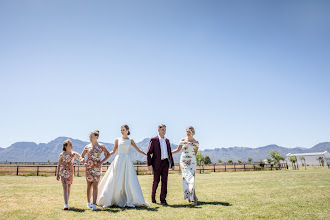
x=141, y=169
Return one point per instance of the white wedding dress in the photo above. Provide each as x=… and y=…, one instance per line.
x=120, y=185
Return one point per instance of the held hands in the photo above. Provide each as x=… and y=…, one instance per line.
x=173, y=168
x=57, y=177
x=150, y=168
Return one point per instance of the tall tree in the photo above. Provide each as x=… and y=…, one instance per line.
x=275, y=155
x=207, y=160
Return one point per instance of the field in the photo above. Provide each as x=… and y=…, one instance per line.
x=281, y=194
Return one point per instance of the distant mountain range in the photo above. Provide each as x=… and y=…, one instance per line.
x=32, y=152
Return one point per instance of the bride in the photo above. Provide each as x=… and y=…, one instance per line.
x=120, y=185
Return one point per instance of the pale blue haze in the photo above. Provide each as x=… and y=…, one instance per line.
x=243, y=73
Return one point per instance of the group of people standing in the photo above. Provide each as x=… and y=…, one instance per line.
x=120, y=185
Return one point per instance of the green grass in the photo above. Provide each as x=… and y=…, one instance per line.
x=285, y=194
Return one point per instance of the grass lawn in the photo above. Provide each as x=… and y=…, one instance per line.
x=285, y=194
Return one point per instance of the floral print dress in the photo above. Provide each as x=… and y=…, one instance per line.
x=93, y=174
x=188, y=168
x=67, y=170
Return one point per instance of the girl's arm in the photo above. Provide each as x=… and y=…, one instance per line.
x=82, y=160
x=177, y=150
x=136, y=148
x=196, y=149
x=58, y=169
x=107, y=155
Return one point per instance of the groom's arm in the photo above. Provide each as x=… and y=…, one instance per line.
x=150, y=151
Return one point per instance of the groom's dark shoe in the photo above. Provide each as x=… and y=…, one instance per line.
x=164, y=203
x=154, y=201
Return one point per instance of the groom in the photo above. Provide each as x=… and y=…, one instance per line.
x=159, y=161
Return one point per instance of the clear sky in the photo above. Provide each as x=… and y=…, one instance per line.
x=243, y=73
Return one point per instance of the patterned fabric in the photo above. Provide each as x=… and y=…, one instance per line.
x=93, y=174
x=67, y=170
x=188, y=168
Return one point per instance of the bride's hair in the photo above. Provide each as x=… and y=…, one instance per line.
x=127, y=128
x=192, y=129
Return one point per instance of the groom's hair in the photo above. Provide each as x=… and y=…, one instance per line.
x=161, y=126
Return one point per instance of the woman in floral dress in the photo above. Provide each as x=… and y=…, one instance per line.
x=188, y=164
x=65, y=166
x=94, y=166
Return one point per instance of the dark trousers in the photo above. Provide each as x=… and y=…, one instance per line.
x=161, y=172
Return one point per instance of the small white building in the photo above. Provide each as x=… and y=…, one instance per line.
x=311, y=158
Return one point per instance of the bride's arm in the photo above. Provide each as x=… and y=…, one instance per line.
x=137, y=149
x=114, y=148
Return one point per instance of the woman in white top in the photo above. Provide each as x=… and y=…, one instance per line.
x=188, y=164
x=120, y=185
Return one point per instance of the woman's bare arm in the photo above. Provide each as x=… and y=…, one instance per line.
x=136, y=148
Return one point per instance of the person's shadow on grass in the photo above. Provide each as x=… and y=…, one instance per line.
x=73, y=209
x=200, y=203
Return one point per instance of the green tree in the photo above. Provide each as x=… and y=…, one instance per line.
x=321, y=161
x=293, y=160
x=275, y=155
x=230, y=161
x=219, y=161
x=239, y=161
x=207, y=160
x=302, y=158
x=269, y=160
x=250, y=159
x=200, y=158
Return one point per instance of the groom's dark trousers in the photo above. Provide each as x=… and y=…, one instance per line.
x=160, y=167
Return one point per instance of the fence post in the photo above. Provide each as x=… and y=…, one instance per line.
x=137, y=169
x=78, y=170
x=214, y=167
x=17, y=171
x=225, y=167
x=200, y=169
x=234, y=167
x=244, y=167
x=37, y=170
x=55, y=170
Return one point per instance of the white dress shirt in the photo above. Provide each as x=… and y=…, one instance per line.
x=163, y=148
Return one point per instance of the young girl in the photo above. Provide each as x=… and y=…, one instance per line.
x=65, y=163
x=94, y=166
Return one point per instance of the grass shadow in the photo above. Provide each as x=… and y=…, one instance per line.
x=200, y=203
x=117, y=209
x=73, y=209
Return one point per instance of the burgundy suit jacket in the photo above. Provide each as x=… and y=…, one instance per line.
x=155, y=150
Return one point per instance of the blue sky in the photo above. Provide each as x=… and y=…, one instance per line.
x=243, y=73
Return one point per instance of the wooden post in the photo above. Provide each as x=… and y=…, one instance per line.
x=234, y=167
x=254, y=166
x=17, y=171
x=78, y=170
x=55, y=170
x=225, y=167
x=214, y=167
x=244, y=167
x=37, y=170
x=137, y=169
